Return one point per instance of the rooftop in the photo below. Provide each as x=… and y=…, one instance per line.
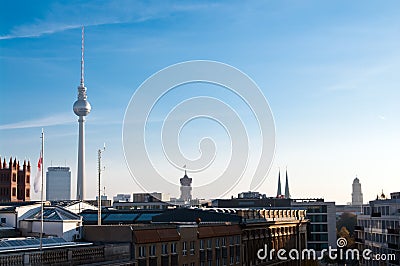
x=30, y=243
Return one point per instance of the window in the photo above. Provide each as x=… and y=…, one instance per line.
x=14, y=177
x=173, y=248
x=209, y=243
x=223, y=241
x=164, y=249
x=142, y=251
x=217, y=242
x=184, y=248
x=14, y=192
x=3, y=220
x=192, y=264
x=237, y=240
x=192, y=247
x=28, y=179
x=152, y=250
x=27, y=193
x=202, y=244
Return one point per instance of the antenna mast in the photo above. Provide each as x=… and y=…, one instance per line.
x=99, y=185
x=82, y=57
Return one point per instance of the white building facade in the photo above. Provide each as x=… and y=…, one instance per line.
x=378, y=229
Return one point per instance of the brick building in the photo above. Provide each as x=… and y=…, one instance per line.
x=15, y=181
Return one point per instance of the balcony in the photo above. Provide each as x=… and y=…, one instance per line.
x=376, y=214
x=359, y=240
x=393, y=231
x=359, y=227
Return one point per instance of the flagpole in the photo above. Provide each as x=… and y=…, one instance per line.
x=41, y=196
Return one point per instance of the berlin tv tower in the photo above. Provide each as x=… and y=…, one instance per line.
x=81, y=109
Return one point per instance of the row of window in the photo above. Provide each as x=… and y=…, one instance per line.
x=383, y=210
x=152, y=250
x=318, y=237
x=5, y=178
x=219, y=242
x=5, y=192
x=318, y=218
x=381, y=238
x=318, y=228
x=379, y=224
x=317, y=209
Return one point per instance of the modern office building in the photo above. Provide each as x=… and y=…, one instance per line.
x=378, y=229
x=322, y=226
x=58, y=183
x=15, y=181
x=356, y=195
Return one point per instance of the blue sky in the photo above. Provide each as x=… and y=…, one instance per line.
x=330, y=72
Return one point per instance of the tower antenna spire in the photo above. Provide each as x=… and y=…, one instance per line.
x=82, y=57
x=81, y=108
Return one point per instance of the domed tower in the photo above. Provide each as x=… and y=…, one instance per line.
x=81, y=109
x=356, y=196
x=186, y=188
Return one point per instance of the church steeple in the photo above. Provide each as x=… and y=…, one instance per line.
x=279, y=192
x=287, y=193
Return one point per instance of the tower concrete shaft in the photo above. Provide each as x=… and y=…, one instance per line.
x=80, y=186
x=81, y=108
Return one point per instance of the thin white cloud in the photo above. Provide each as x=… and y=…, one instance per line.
x=65, y=17
x=36, y=31
x=53, y=120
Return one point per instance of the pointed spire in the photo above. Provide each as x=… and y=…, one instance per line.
x=82, y=57
x=287, y=193
x=279, y=192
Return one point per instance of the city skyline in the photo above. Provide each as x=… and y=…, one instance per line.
x=329, y=72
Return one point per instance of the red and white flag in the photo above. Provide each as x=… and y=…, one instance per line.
x=36, y=184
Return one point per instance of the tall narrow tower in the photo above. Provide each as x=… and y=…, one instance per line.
x=81, y=109
x=287, y=192
x=279, y=192
x=186, y=188
x=357, y=195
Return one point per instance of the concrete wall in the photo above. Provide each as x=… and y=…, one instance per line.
x=331, y=212
x=10, y=219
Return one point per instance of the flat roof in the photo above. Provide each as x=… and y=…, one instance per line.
x=31, y=243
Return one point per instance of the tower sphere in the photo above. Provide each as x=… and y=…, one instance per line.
x=82, y=108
